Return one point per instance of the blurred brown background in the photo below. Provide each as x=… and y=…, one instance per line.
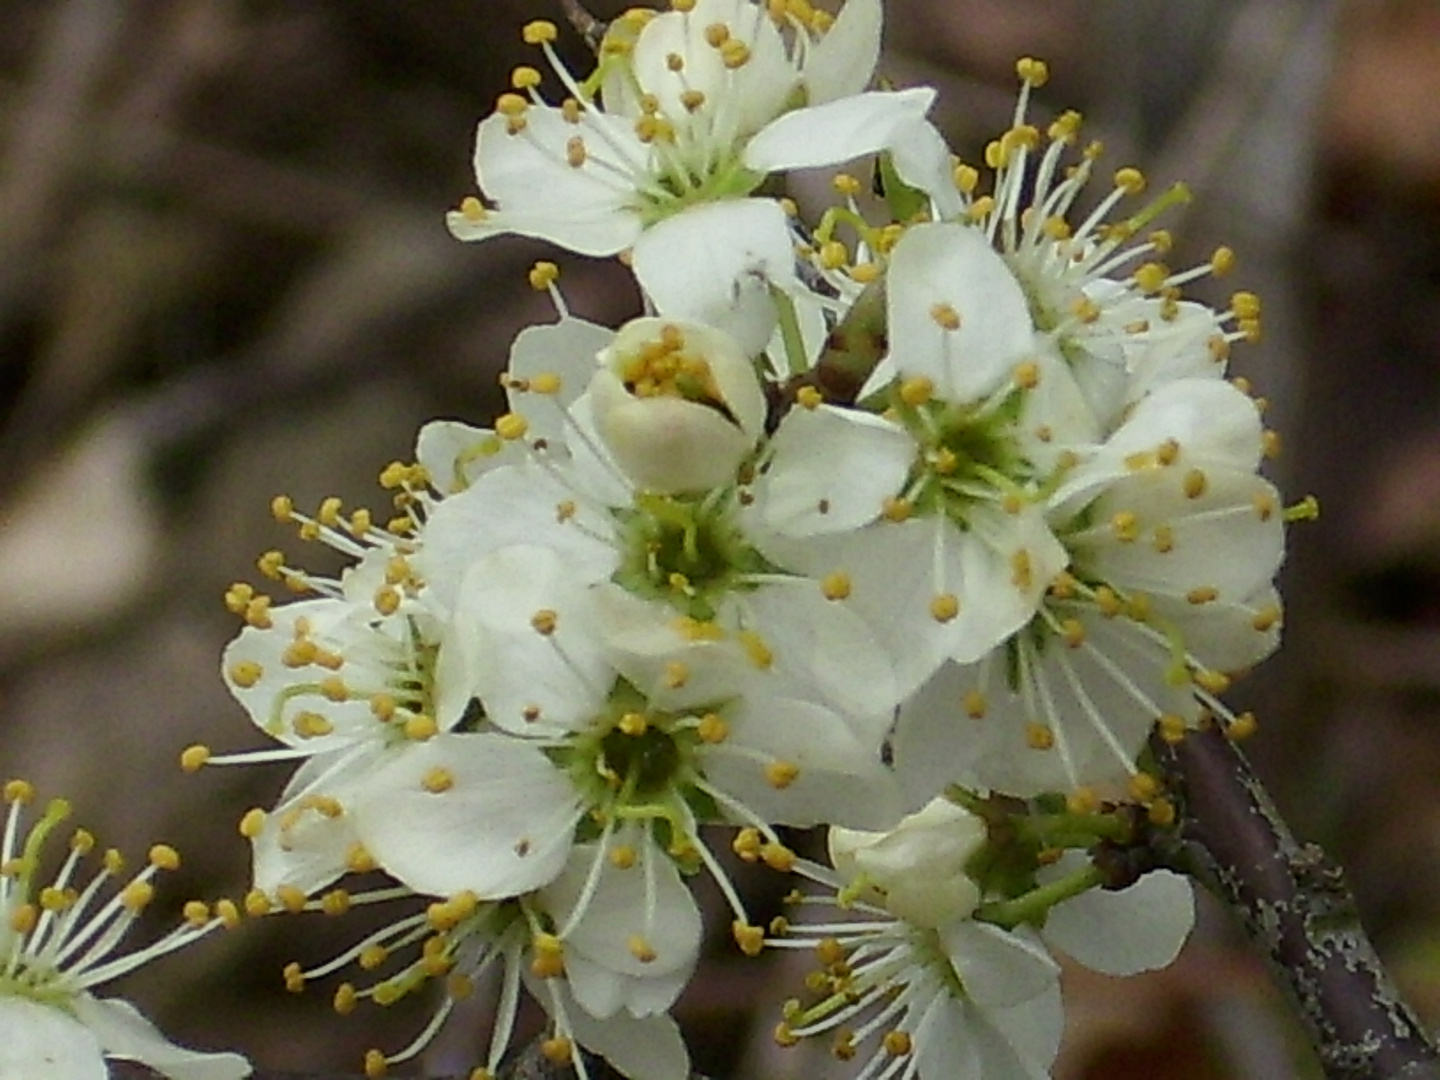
x=224, y=274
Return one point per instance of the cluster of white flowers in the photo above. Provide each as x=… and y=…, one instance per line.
x=912, y=517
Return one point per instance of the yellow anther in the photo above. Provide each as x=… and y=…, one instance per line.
x=1167, y=452
x=756, y=649
x=833, y=255
x=677, y=672
x=1214, y=682
x=194, y=757
x=421, y=726
x=945, y=316
x=375, y=1064
x=623, y=856
x=712, y=728
x=944, y=607
x=511, y=426
x=778, y=857
x=1032, y=71
x=1195, y=483
x=835, y=586
x=1022, y=574
x=1172, y=728
x=333, y=687
x=735, y=54
x=245, y=673
x=1125, y=526
x=1164, y=539
x=897, y=1043
x=1265, y=618
x=1027, y=375
x=751, y=939
x=372, y=956
x=1161, y=812
x=1072, y=630
x=1203, y=594
x=525, y=77
x=785, y=1036
x=1222, y=262
x=164, y=857
x=640, y=949
x=1245, y=305
x=291, y=897
x=747, y=844
x=542, y=275
x=634, y=724
x=282, y=507
x=1270, y=443
x=1151, y=277
x=544, y=621
x=808, y=397
x=974, y=704
x=1082, y=800
x=846, y=184
x=539, y=32
x=967, y=178
x=916, y=390
x=252, y=822
x=1143, y=786
x=513, y=106
x=558, y=1050
x=781, y=774
x=1242, y=726
x=1039, y=736
x=294, y=978
x=896, y=509
x=136, y=896
x=1131, y=181
x=575, y=153
x=437, y=779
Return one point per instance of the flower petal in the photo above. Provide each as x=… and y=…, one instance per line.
x=124, y=1033
x=44, y=1042
x=837, y=131
x=1124, y=932
x=499, y=823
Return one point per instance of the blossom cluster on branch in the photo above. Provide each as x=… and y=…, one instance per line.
x=909, y=514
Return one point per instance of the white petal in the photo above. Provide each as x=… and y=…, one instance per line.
x=529, y=682
x=1124, y=932
x=843, y=60
x=567, y=348
x=624, y=904
x=830, y=470
x=751, y=94
x=503, y=827
x=43, y=1042
x=312, y=849
x=841, y=778
x=538, y=193
x=953, y=267
x=454, y=454
x=124, y=1033
x=837, y=131
x=646, y=1049
x=715, y=264
x=923, y=160
x=519, y=504
x=998, y=967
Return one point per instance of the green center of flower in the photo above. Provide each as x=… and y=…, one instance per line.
x=686, y=551
x=965, y=455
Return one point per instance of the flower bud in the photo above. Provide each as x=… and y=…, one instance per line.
x=677, y=404
x=917, y=869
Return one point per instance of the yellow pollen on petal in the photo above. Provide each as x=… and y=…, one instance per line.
x=781, y=774
x=1164, y=540
x=1203, y=594
x=1125, y=526
x=944, y=607
x=640, y=949
x=974, y=704
x=945, y=316
x=245, y=673
x=544, y=622
x=1195, y=483
x=1039, y=736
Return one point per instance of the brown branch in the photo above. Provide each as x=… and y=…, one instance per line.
x=1292, y=901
